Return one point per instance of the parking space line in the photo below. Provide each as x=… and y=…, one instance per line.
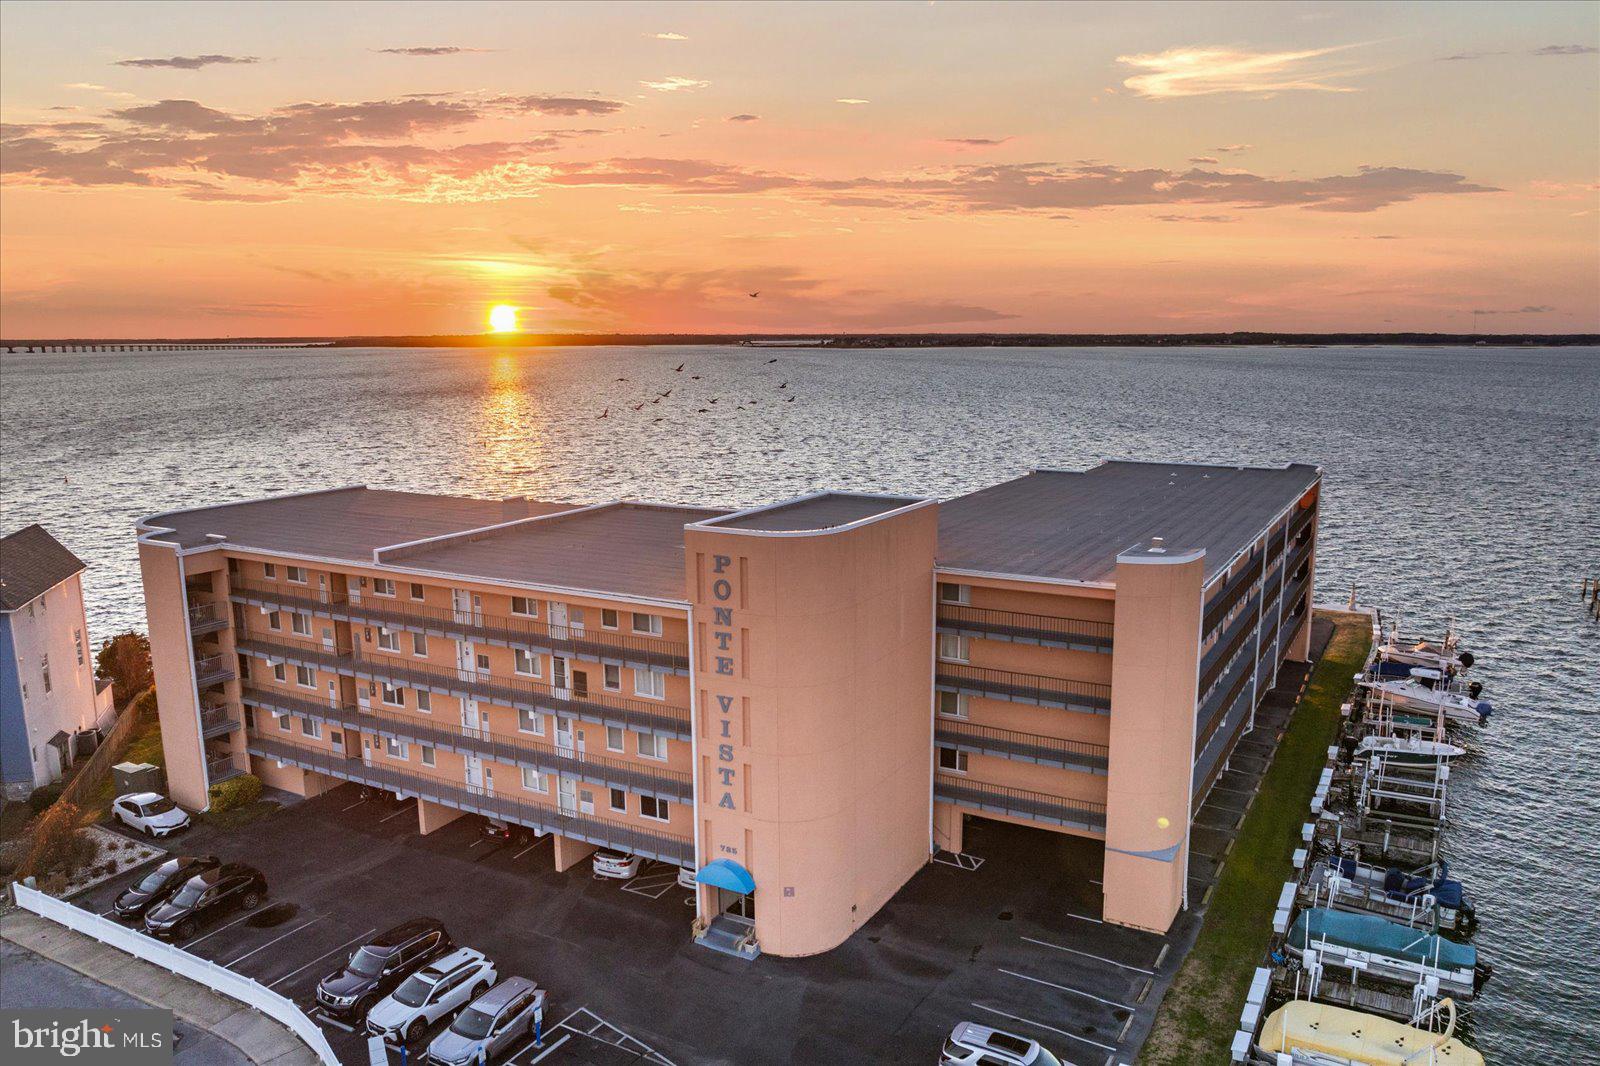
x=1051, y=1028
x=214, y=932
x=324, y=955
x=1064, y=988
x=1085, y=954
x=274, y=940
x=396, y=814
x=547, y=1051
x=352, y=806
x=530, y=847
x=1083, y=918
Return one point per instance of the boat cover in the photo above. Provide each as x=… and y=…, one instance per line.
x=1303, y=1026
x=1368, y=932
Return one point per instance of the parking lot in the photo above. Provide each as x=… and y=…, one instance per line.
x=1009, y=935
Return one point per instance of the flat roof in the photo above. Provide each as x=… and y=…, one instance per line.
x=635, y=549
x=823, y=510
x=347, y=523
x=1071, y=525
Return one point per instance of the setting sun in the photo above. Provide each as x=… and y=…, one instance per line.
x=503, y=318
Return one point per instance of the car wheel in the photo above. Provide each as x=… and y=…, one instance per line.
x=251, y=901
x=185, y=930
x=362, y=1008
x=414, y=1031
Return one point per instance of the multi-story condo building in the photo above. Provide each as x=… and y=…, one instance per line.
x=800, y=702
x=48, y=695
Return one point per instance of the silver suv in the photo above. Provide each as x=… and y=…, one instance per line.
x=979, y=1045
x=492, y=1024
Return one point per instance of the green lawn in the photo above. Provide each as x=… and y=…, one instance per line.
x=1200, y=1013
x=143, y=746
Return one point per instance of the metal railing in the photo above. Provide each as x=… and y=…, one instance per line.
x=1300, y=555
x=1244, y=624
x=1019, y=802
x=590, y=706
x=1020, y=747
x=221, y=768
x=1023, y=688
x=213, y=670
x=1301, y=520
x=652, y=652
x=543, y=817
x=513, y=750
x=207, y=618
x=217, y=719
x=1218, y=606
x=1020, y=628
x=1222, y=695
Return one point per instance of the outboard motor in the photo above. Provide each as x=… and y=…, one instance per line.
x=1466, y=659
x=1484, y=711
x=1475, y=689
x=1394, y=883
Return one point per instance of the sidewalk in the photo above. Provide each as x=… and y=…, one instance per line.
x=258, y=1038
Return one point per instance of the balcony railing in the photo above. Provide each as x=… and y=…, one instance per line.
x=1020, y=747
x=1218, y=606
x=501, y=747
x=1045, y=630
x=1300, y=521
x=1021, y=803
x=1243, y=627
x=220, y=768
x=1299, y=557
x=591, y=706
x=1023, y=688
x=217, y=719
x=542, y=817
x=1222, y=695
x=207, y=618
x=649, y=652
x=213, y=670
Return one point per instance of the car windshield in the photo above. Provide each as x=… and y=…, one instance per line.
x=472, y=1023
x=368, y=963
x=189, y=894
x=414, y=991
x=155, y=879
x=160, y=806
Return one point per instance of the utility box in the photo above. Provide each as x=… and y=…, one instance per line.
x=137, y=777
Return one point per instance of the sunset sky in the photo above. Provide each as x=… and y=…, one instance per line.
x=195, y=169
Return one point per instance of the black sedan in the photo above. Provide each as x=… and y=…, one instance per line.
x=204, y=898
x=159, y=884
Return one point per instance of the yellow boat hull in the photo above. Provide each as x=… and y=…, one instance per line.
x=1339, y=1035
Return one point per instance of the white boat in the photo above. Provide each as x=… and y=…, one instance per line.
x=1413, y=695
x=1411, y=749
x=1320, y=1034
x=1417, y=899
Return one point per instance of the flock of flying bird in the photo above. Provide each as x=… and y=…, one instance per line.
x=680, y=387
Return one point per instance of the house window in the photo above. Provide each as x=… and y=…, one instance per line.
x=383, y=586
x=297, y=574
x=280, y=672
x=394, y=697
x=612, y=674
x=608, y=618
x=949, y=592
x=526, y=662
x=525, y=606
x=533, y=780
x=417, y=593
x=652, y=807
x=652, y=683
x=275, y=620
x=530, y=721
x=952, y=704
x=953, y=760
x=651, y=746
x=311, y=728
x=575, y=617
x=647, y=623
x=285, y=722
x=427, y=754
x=387, y=640
x=305, y=676
x=301, y=624
x=614, y=738
x=419, y=644
x=44, y=671
x=269, y=571
x=424, y=701
x=397, y=749
x=483, y=662
x=77, y=641
x=952, y=648
x=619, y=800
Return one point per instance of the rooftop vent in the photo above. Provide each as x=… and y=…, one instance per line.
x=1156, y=546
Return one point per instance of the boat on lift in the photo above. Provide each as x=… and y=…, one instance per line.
x=1427, y=896
x=1321, y=1034
x=1423, y=691
x=1407, y=749
x=1378, y=948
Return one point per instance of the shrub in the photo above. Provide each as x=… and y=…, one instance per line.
x=125, y=659
x=145, y=705
x=60, y=847
x=43, y=796
x=235, y=792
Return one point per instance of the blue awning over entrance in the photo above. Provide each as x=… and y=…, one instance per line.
x=725, y=873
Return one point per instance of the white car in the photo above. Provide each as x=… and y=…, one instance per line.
x=979, y=1045
x=616, y=864
x=149, y=812
x=436, y=991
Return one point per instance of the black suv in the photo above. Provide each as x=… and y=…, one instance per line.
x=157, y=885
x=205, y=897
x=380, y=964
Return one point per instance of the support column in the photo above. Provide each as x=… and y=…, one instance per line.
x=948, y=826
x=570, y=853
x=431, y=816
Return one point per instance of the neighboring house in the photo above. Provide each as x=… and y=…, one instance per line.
x=48, y=692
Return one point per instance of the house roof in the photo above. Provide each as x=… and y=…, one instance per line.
x=819, y=511
x=31, y=563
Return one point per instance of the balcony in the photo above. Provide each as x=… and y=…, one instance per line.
x=1233, y=589
x=631, y=650
x=1301, y=521
x=221, y=767
x=1044, y=630
x=1020, y=747
x=1221, y=695
x=207, y=618
x=217, y=719
x=1021, y=803
x=1023, y=688
x=589, y=706
x=541, y=817
x=213, y=670
x=501, y=747
x=1242, y=628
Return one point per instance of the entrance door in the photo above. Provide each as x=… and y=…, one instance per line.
x=558, y=676
x=567, y=795
x=737, y=904
x=466, y=662
x=336, y=741
x=558, y=620
x=469, y=717
x=474, y=766
x=580, y=684
x=461, y=605
x=564, y=733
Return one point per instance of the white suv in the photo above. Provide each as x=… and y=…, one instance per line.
x=149, y=812
x=433, y=992
x=978, y=1045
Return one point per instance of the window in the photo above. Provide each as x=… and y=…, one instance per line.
x=387, y=640
x=652, y=807
x=244, y=668
x=383, y=586
x=424, y=701
x=952, y=704
x=614, y=738
x=652, y=683
x=530, y=721
x=427, y=754
x=953, y=760
x=285, y=722
x=394, y=697
x=419, y=644
x=575, y=616
x=525, y=606
x=397, y=749
x=416, y=591
x=527, y=662
x=44, y=671
x=305, y=676
x=612, y=673
x=297, y=574
x=953, y=593
x=483, y=662
x=608, y=618
x=77, y=641
x=619, y=800
x=647, y=623
x=533, y=780
x=652, y=746
x=952, y=647
x=280, y=672
x=301, y=624
x=269, y=571
x=311, y=728
x=275, y=620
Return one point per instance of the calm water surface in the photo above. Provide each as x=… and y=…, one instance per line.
x=1459, y=482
